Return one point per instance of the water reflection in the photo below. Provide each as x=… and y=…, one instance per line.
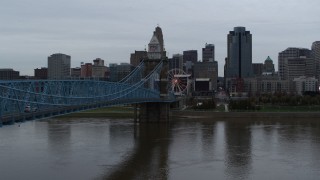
x=149, y=158
x=185, y=149
x=208, y=139
x=238, y=149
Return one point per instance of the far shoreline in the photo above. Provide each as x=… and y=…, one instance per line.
x=232, y=115
x=204, y=115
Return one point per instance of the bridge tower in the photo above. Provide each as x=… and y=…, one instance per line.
x=156, y=111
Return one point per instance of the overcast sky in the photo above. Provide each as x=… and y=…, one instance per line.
x=31, y=30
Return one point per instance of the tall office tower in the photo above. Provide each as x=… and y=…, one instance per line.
x=176, y=62
x=239, y=60
x=158, y=33
x=208, y=53
x=59, y=66
x=154, y=48
x=137, y=56
x=315, y=48
x=291, y=52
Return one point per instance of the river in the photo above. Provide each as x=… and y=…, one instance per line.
x=93, y=148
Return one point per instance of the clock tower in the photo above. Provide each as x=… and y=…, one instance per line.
x=154, y=51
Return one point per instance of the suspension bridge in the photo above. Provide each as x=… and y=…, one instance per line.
x=22, y=100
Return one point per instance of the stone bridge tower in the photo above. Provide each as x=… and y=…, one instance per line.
x=156, y=111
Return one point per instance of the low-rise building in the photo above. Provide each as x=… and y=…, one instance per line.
x=306, y=84
x=8, y=74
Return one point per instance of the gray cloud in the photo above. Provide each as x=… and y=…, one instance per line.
x=31, y=30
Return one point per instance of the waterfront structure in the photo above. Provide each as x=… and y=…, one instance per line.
x=59, y=66
x=208, y=53
x=257, y=69
x=206, y=71
x=306, y=84
x=176, y=62
x=41, y=73
x=136, y=57
x=268, y=66
x=239, y=59
x=315, y=48
x=8, y=73
x=291, y=52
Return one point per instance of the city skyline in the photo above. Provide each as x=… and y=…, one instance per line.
x=113, y=30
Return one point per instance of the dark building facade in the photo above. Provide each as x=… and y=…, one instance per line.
x=41, y=73
x=291, y=52
x=189, y=58
x=8, y=74
x=239, y=60
x=176, y=62
x=208, y=53
x=315, y=48
x=257, y=69
x=206, y=71
x=136, y=57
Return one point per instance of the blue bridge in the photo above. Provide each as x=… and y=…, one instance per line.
x=22, y=100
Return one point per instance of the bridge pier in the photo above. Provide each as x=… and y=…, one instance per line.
x=154, y=112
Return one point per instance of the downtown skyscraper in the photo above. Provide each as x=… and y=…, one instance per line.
x=315, y=48
x=239, y=59
x=59, y=66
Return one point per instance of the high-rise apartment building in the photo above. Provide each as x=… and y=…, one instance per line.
x=208, y=53
x=239, y=60
x=59, y=66
x=291, y=52
x=315, y=48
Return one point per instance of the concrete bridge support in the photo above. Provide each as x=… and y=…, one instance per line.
x=154, y=112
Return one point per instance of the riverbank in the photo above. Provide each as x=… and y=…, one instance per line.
x=232, y=115
x=112, y=112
